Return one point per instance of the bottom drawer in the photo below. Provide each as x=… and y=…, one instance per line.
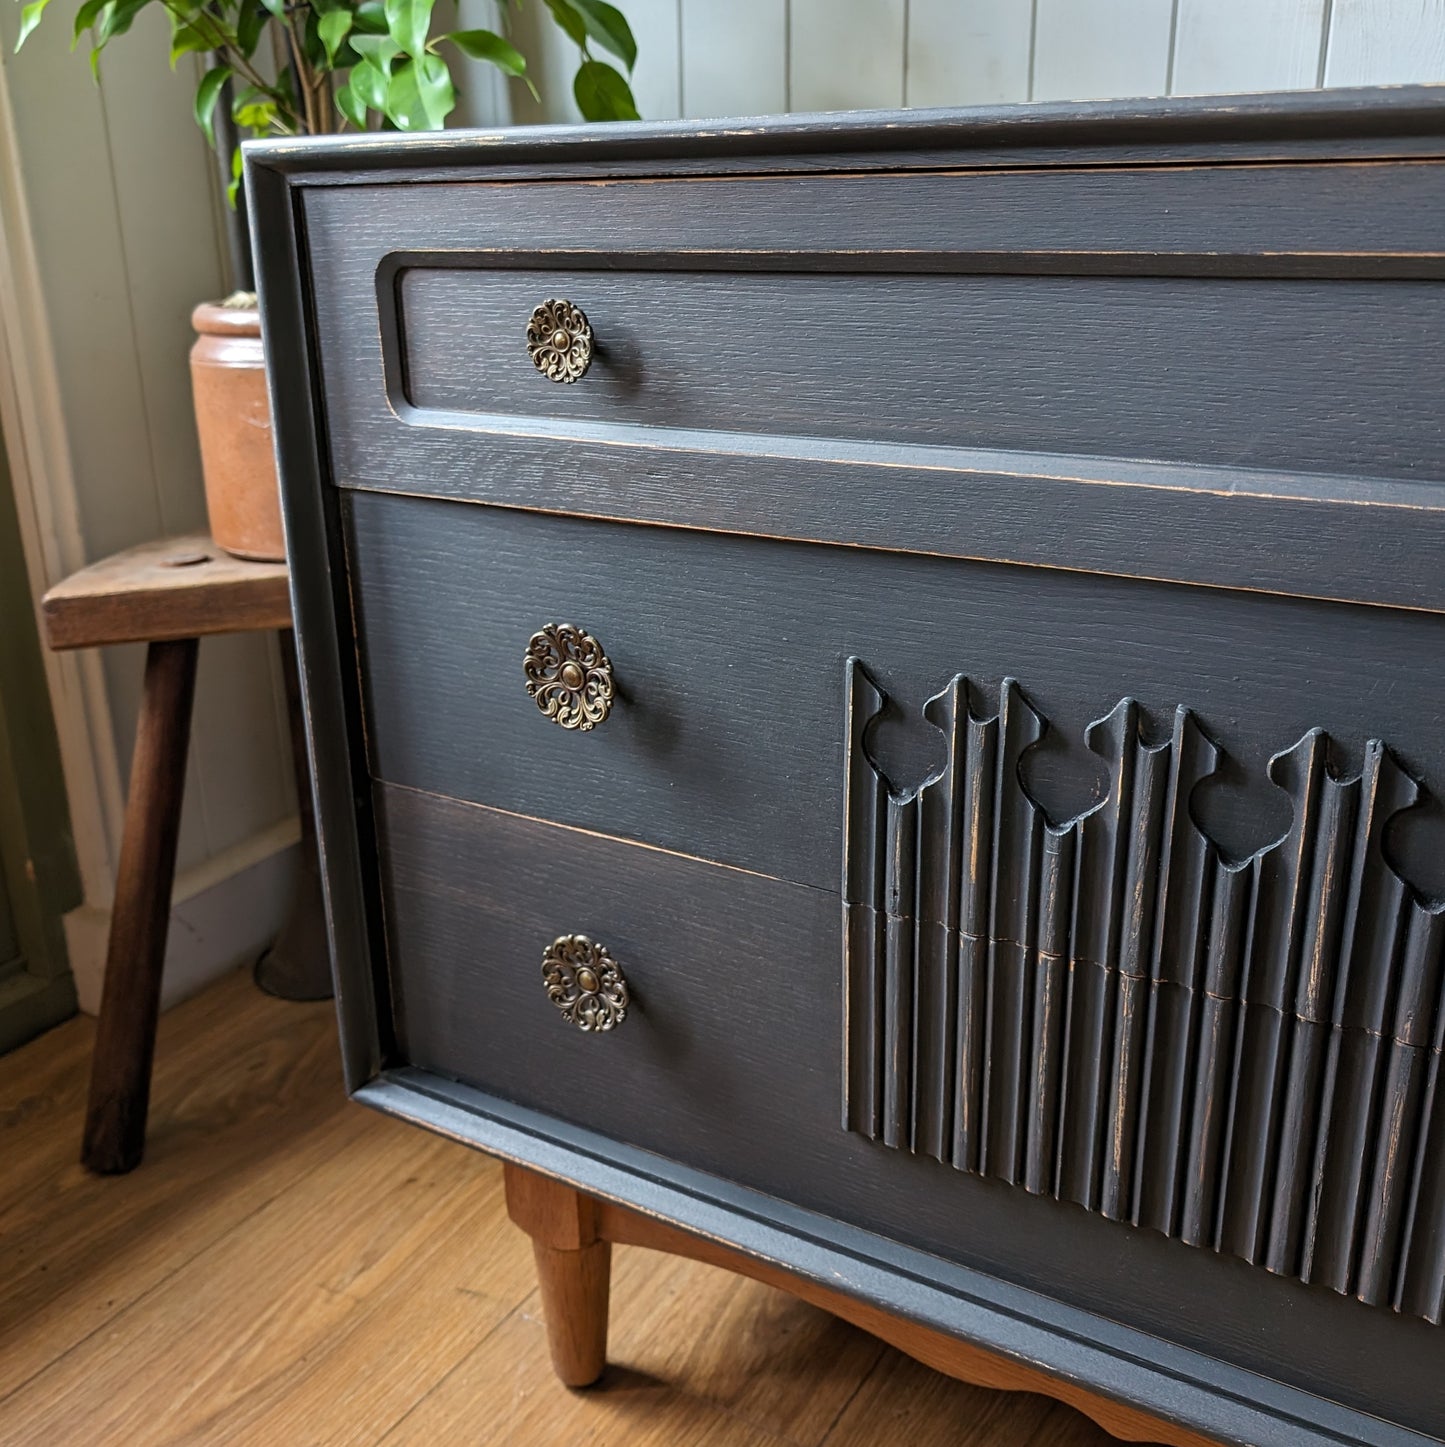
x=730, y=1061
x=725, y=1058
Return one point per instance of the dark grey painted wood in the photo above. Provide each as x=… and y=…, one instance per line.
x=325, y=642
x=1356, y=672
x=1176, y=1384
x=730, y=656
x=1250, y=968
x=1243, y=373
x=729, y=1063
x=731, y=395
x=1365, y=123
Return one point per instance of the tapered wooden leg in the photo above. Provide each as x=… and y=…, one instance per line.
x=573, y=1270
x=125, y=1037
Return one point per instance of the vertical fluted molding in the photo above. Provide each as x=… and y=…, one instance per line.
x=1013, y=910
x=1243, y=1055
x=1185, y=889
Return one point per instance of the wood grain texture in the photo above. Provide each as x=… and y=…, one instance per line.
x=955, y=1358
x=729, y=1063
x=120, y=1070
x=252, y=1139
x=721, y=1107
x=742, y=765
x=728, y=434
x=1118, y=367
x=180, y=587
x=1256, y=970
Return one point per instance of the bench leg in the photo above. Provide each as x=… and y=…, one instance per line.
x=573, y=1270
x=125, y=1037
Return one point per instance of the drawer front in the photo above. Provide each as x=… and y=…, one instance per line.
x=726, y=739
x=730, y=1060
x=1125, y=366
x=1147, y=372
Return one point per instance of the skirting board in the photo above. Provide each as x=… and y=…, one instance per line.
x=224, y=912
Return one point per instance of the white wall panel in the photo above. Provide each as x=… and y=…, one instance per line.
x=734, y=57
x=1385, y=42
x=968, y=52
x=1096, y=49
x=1247, y=45
x=657, y=82
x=846, y=53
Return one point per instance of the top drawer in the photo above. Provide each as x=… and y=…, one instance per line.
x=1143, y=371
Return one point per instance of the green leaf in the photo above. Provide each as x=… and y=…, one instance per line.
x=29, y=19
x=234, y=189
x=574, y=27
x=607, y=25
x=409, y=21
x=333, y=28
x=371, y=17
x=276, y=7
x=421, y=95
x=602, y=94
x=115, y=19
x=255, y=109
x=187, y=38
x=351, y=106
x=85, y=18
x=207, y=94
x=487, y=45
x=250, y=26
x=380, y=50
x=368, y=85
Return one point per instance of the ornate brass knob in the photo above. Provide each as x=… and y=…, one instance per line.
x=584, y=983
x=559, y=340
x=569, y=676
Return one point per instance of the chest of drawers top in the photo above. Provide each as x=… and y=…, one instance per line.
x=1011, y=547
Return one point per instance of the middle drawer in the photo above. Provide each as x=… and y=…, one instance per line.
x=726, y=737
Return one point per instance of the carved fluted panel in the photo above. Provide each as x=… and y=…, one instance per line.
x=1245, y=1056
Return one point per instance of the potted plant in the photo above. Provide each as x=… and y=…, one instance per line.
x=308, y=67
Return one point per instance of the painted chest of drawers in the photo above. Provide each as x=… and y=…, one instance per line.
x=876, y=701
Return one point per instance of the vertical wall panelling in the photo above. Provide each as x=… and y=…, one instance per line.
x=237, y=783
x=1240, y=45
x=968, y=52
x=1385, y=42
x=1100, y=49
x=734, y=57
x=657, y=82
x=114, y=226
x=846, y=53
x=753, y=56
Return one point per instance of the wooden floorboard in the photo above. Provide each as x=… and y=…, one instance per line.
x=288, y=1268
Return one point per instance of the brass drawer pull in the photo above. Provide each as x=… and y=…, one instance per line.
x=559, y=340
x=584, y=983
x=569, y=676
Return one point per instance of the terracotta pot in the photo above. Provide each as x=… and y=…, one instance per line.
x=233, y=418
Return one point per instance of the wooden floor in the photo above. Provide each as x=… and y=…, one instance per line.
x=288, y=1268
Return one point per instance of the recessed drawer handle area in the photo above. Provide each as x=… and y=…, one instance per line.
x=585, y=984
x=569, y=677
x=559, y=340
